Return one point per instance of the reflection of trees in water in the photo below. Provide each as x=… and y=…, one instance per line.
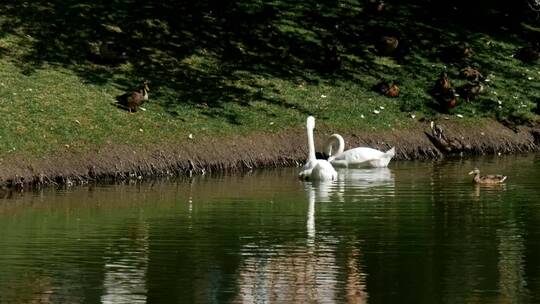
x=126, y=263
x=298, y=274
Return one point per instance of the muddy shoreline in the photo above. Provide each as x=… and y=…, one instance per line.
x=258, y=150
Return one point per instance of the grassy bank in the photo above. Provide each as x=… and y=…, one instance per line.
x=221, y=70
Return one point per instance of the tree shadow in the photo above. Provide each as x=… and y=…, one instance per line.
x=192, y=52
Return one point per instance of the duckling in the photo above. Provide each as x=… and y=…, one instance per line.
x=471, y=74
x=470, y=91
x=387, y=88
x=386, y=45
x=132, y=100
x=487, y=179
x=528, y=54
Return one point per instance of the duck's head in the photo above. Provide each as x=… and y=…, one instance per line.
x=474, y=171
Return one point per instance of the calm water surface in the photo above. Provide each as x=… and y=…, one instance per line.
x=417, y=232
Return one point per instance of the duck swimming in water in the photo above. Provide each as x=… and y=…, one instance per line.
x=487, y=179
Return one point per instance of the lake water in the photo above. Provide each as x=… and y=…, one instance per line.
x=417, y=232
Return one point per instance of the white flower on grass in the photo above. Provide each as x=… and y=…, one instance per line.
x=381, y=107
x=413, y=116
x=459, y=115
x=323, y=96
x=362, y=116
x=530, y=78
x=141, y=130
x=190, y=136
x=376, y=111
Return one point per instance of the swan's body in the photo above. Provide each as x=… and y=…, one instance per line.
x=315, y=169
x=357, y=157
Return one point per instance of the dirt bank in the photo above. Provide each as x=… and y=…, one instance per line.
x=257, y=150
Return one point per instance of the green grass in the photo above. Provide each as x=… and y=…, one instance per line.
x=55, y=98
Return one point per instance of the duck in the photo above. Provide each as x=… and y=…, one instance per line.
x=442, y=84
x=332, y=59
x=448, y=99
x=387, y=88
x=457, y=52
x=470, y=91
x=107, y=52
x=487, y=179
x=441, y=141
x=315, y=169
x=386, y=45
x=471, y=74
x=359, y=157
x=528, y=54
x=134, y=99
x=378, y=6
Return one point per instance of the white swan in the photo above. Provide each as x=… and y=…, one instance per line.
x=315, y=169
x=357, y=157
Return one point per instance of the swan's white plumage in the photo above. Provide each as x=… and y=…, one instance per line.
x=315, y=169
x=356, y=157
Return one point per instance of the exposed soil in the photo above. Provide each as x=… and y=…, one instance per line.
x=257, y=150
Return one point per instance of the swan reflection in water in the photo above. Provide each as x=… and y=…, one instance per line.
x=311, y=272
x=351, y=182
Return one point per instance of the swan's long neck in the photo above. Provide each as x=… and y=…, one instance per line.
x=311, y=144
x=331, y=142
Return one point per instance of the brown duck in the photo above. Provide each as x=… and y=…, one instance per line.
x=332, y=59
x=457, y=52
x=470, y=91
x=448, y=99
x=528, y=54
x=387, y=88
x=471, y=74
x=487, y=179
x=386, y=45
x=132, y=100
x=442, y=84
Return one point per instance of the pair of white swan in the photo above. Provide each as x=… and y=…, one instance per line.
x=320, y=169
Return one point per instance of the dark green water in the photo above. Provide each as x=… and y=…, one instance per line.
x=418, y=232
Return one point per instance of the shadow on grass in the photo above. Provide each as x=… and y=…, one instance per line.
x=192, y=52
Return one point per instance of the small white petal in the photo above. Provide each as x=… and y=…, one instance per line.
x=376, y=111
x=459, y=115
x=381, y=107
x=141, y=130
x=323, y=96
x=362, y=116
x=190, y=136
x=271, y=123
